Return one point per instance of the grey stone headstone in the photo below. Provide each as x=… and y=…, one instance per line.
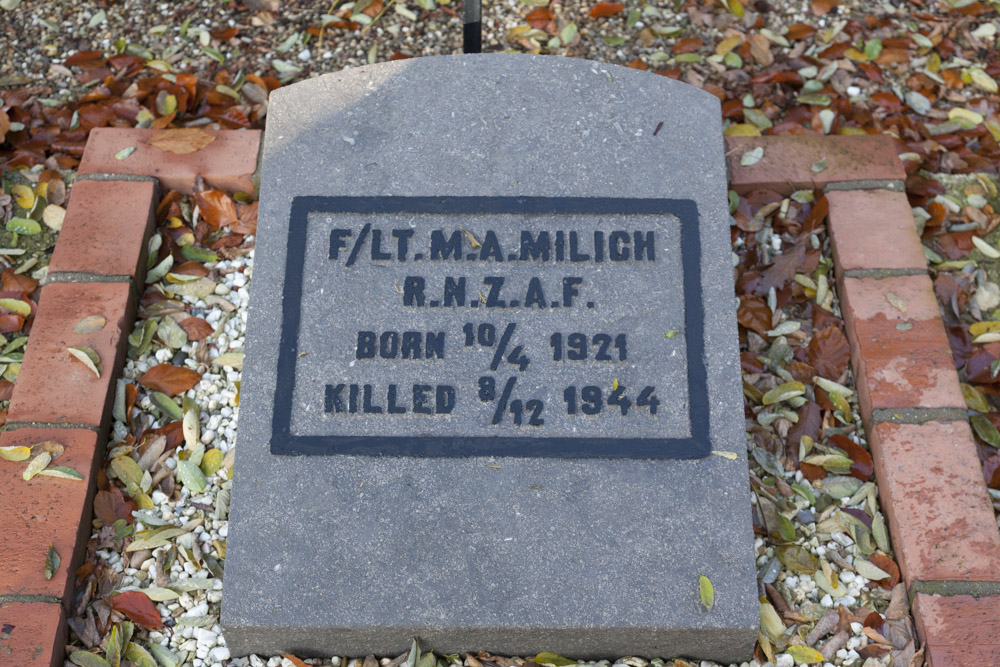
x=517, y=467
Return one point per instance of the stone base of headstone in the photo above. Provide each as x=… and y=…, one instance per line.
x=352, y=533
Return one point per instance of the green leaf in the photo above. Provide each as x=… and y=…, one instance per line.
x=24, y=226
x=212, y=461
x=191, y=476
x=819, y=166
x=114, y=648
x=805, y=492
x=547, y=658
x=707, y=591
x=62, y=472
x=167, y=405
x=139, y=656
x=196, y=254
x=873, y=47
x=52, y=561
x=87, y=659
x=786, y=529
x=568, y=33
x=164, y=656
x=411, y=660
x=986, y=430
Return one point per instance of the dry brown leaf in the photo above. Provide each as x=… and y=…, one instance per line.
x=182, y=141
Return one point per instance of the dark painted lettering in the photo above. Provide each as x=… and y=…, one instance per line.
x=402, y=237
x=442, y=249
x=490, y=248
x=570, y=290
x=444, y=399
x=338, y=242
x=495, y=283
x=644, y=245
x=421, y=398
x=535, y=295
x=366, y=345
x=434, y=345
x=454, y=291
x=618, y=252
x=413, y=291
x=367, y=402
x=377, y=252
x=535, y=248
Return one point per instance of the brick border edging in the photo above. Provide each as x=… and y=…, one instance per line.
x=98, y=268
x=940, y=515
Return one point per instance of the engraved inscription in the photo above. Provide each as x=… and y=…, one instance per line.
x=546, y=327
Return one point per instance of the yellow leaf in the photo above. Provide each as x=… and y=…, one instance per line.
x=15, y=453
x=783, y=392
x=983, y=81
x=805, y=655
x=735, y=8
x=770, y=622
x=979, y=328
x=728, y=44
x=211, y=462
x=23, y=196
x=16, y=306
x=957, y=114
x=742, y=130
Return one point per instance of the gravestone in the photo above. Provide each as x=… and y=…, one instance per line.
x=491, y=350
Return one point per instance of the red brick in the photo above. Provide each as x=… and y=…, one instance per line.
x=959, y=630
x=939, y=511
x=105, y=228
x=228, y=163
x=873, y=229
x=45, y=510
x=32, y=634
x=898, y=367
x=786, y=165
x=53, y=386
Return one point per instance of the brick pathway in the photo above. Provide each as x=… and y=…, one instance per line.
x=932, y=489
x=933, y=492
x=98, y=268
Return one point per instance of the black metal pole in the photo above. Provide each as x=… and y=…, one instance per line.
x=472, y=31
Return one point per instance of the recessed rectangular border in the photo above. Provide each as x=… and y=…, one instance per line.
x=698, y=445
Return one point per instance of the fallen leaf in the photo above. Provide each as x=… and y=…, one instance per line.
x=62, y=472
x=707, y=591
x=52, y=562
x=37, y=464
x=87, y=357
x=170, y=380
x=805, y=655
x=15, y=453
x=823, y=7
x=217, y=208
x=896, y=302
x=605, y=9
x=138, y=607
x=295, y=661
x=547, y=658
x=90, y=324
x=751, y=158
x=182, y=141
x=829, y=352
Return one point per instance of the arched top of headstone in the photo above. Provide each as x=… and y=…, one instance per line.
x=500, y=124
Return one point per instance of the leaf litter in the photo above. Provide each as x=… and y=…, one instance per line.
x=850, y=74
